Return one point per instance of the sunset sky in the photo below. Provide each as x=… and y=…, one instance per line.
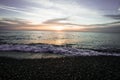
x=68, y=15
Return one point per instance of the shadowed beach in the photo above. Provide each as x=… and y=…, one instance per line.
x=65, y=68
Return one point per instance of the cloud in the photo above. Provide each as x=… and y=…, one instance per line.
x=15, y=9
x=20, y=24
x=64, y=6
x=39, y=11
x=115, y=28
x=118, y=9
x=108, y=27
x=47, y=13
x=6, y=23
x=55, y=20
x=51, y=9
x=117, y=16
x=61, y=21
x=108, y=24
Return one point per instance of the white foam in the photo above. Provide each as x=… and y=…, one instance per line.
x=41, y=48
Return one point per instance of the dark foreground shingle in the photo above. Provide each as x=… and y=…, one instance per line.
x=72, y=68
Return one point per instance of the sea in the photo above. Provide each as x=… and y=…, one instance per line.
x=61, y=42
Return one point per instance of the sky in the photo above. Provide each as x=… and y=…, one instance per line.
x=68, y=15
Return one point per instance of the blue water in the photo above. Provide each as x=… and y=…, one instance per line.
x=81, y=39
x=109, y=42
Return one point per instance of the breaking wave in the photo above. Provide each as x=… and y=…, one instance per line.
x=45, y=48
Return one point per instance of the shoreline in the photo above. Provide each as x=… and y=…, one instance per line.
x=28, y=55
x=66, y=51
x=32, y=55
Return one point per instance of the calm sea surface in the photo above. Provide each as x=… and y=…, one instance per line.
x=75, y=39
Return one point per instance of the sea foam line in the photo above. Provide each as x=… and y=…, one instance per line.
x=42, y=48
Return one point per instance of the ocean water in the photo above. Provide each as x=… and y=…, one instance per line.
x=59, y=42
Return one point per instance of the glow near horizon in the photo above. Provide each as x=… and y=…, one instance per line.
x=50, y=10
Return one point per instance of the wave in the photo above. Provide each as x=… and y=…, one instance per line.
x=45, y=48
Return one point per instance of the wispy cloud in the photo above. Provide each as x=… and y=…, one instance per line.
x=46, y=13
x=115, y=16
x=14, y=9
x=113, y=28
x=19, y=24
x=62, y=21
x=44, y=10
x=55, y=20
x=49, y=9
x=6, y=23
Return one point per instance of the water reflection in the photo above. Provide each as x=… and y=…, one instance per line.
x=79, y=39
x=57, y=38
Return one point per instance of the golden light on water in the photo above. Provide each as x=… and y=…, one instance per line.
x=56, y=38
